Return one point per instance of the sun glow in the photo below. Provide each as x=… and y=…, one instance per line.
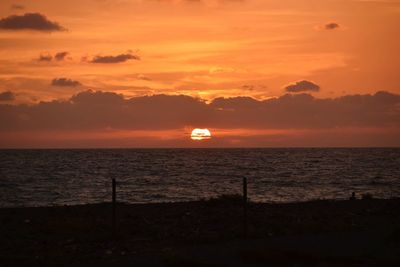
x=200, y=134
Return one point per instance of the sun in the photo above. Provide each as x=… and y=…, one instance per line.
x=200, y=134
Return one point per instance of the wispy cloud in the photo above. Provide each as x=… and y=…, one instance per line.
x=17, y=7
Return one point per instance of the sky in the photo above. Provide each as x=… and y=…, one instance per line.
x=144, y=73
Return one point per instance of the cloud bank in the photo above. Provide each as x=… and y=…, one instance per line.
x=104, y=119
x=91, y=110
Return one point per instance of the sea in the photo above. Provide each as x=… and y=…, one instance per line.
x=30, y=178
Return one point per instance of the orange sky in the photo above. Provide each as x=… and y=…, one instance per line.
x=204, y=49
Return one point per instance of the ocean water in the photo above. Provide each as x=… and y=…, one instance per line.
x=66, y=177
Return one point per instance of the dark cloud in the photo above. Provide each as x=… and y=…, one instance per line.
x=45, y=57
x=61, y=56
x=302, y=86
x=29, y=21
x=64, y=82
x=17, y=7
x=91, y=110
x=331, y=26
x=114, y=59
x=7, y=96
x=97, y=98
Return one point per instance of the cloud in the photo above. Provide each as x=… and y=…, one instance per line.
x=61, y=56
x=45, y=57
x=64, y=82
x=30, y=21
x=232, y=104
x=7, y=96
x=90, y=110
x=302, y=86
x=332, y=26
x=289, y=120
x=17, y=7
x=114, y=59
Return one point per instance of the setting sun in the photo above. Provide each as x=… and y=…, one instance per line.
x=200, y=134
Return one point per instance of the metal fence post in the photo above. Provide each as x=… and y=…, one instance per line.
x=114, y=204
x=245, y=207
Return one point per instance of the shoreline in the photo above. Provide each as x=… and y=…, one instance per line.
x=359, y=197
x=82, y=234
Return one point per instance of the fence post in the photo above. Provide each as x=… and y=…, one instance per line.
x=245, y=207
x=114, y=204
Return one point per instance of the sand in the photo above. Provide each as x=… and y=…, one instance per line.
x=204, y=233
